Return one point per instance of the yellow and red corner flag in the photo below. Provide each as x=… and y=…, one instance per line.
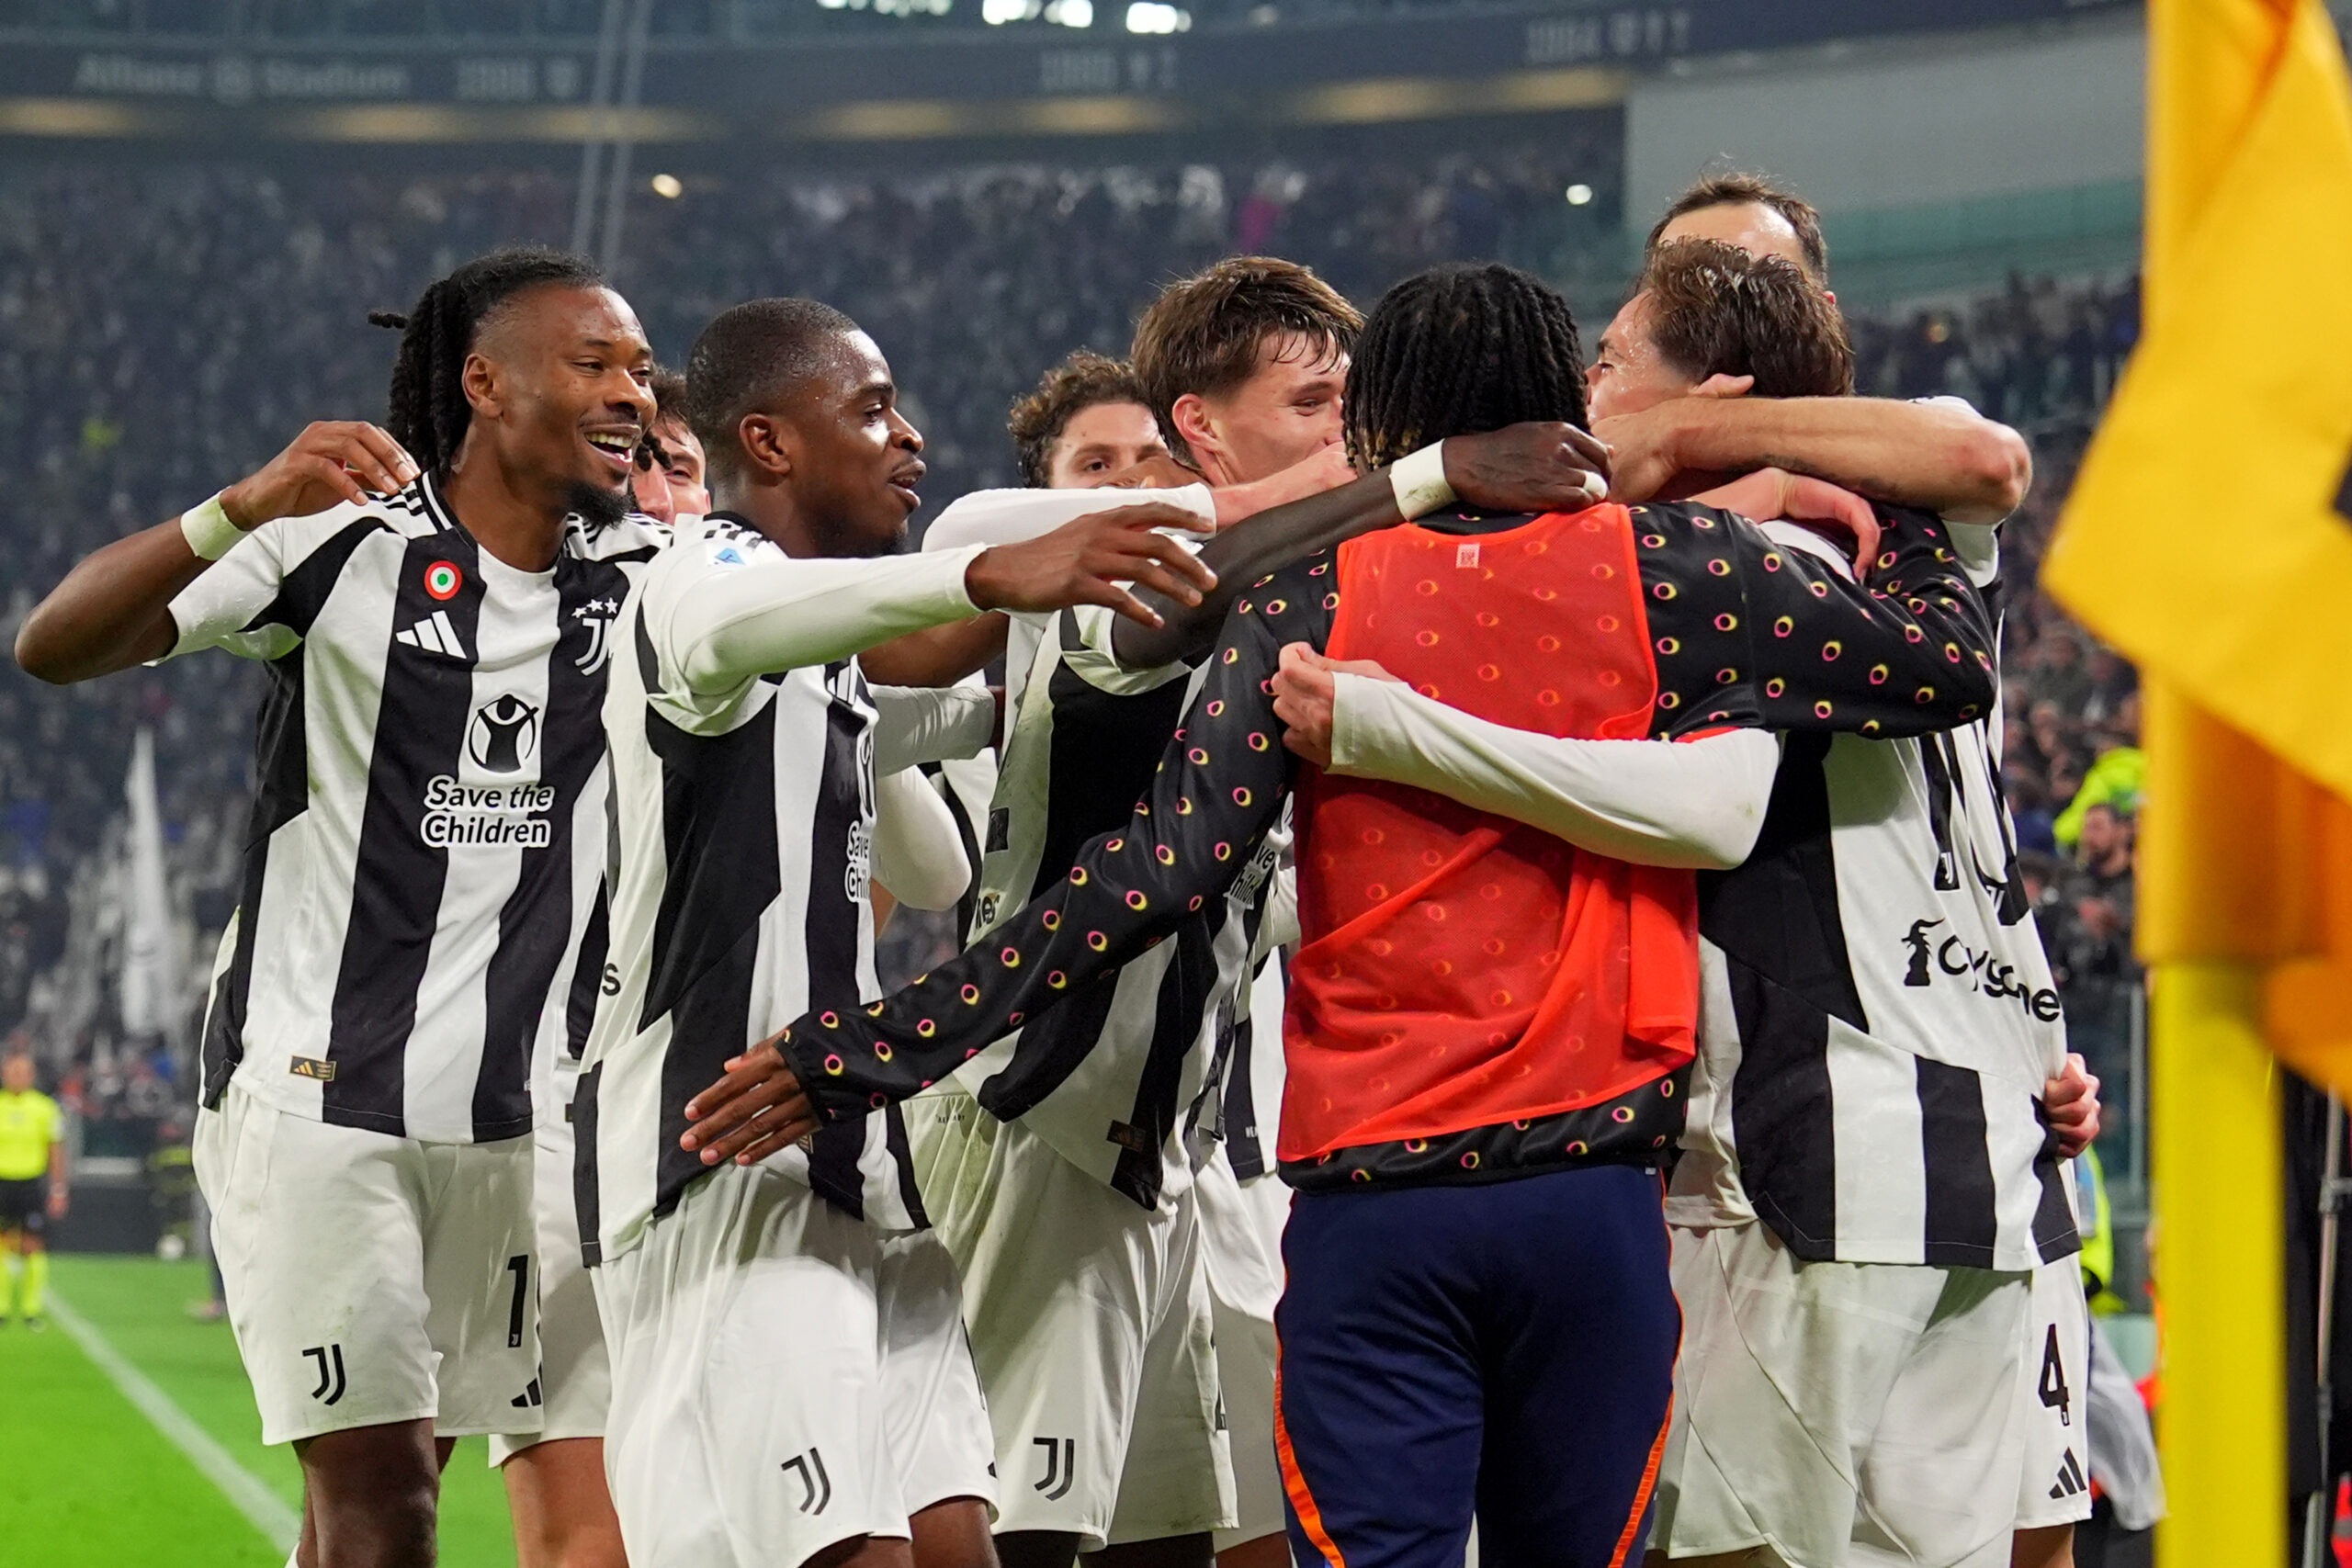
x=2209, y=538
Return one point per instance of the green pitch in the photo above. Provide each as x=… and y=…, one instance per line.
x=87, y=1482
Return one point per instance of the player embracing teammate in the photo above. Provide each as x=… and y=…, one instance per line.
x=1498, y=1091
x=1603, y=814
x=1867, y=1374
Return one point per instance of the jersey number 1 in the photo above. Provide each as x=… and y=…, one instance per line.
x=521, y=1268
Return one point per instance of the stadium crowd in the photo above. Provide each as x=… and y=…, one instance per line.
x=225, y=307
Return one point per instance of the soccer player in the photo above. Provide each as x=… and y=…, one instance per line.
x=1487, y=1025
x=432, y=603
x=34, y=1187
x=555, y=1478
x=791, y=1379
x=1104, y=1403
x=1819, y=1396
x=1088, y=1311
x=669, y=482
x=1940, y=454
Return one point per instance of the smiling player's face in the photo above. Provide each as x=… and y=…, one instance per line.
x=565, y=376
x=1286, y=413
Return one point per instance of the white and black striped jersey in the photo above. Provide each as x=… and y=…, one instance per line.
x=414, y=887
x=744, y=825
x=1241, y=1106
x=1878, y=1019
x=1131, y=1056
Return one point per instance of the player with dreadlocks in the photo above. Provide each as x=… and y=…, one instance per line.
x=430, y=600
x=1489, y=1024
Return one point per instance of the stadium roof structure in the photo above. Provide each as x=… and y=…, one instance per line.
x=874, y=70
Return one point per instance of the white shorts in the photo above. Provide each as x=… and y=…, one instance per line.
x=783, y=1379
x=1841, y=1412
x=1241, y=1240
x=1092, y=1328
x=371, y=1278
x=575, y=1376
x=2054, y=1398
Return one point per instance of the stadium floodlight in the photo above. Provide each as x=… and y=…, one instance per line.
x=1071, y=13
x=669, y=186
x=1152, y=16
x=996, y=13
x=1579, y=195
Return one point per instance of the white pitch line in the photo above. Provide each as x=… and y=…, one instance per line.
x=278, y=1524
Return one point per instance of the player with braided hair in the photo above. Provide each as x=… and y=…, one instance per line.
x=432, y=605
x=1413, y=376
x=428, y=409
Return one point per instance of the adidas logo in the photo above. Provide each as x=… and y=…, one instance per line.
x=2070, y=1480
x=529, y=1397
x=433, y=634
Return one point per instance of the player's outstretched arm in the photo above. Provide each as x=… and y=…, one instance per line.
x=1220, y=785
x=1524, y=468
x=720, y=627
x=113, y=610
x=1092, y=561
x=1940, y=454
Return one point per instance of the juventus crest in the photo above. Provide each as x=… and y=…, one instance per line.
x=596, y=614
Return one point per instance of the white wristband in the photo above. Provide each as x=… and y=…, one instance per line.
x=1419, y=482
x=209, y=533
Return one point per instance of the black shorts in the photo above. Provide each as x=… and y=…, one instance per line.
x=24, y=1205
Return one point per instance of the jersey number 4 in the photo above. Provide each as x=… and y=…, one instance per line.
x=2055, y=1396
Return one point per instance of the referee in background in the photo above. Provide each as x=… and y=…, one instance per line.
x=32, y=1187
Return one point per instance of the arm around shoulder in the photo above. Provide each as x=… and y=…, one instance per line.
x=1939, y=455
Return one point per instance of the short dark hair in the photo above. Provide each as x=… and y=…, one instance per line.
x=669, y=394
x=1735, y=187
x=1457, y=350
x=1716, y=310
x=669, y=389
x=1084, y=381
x=1201, y=336
x=744, y=359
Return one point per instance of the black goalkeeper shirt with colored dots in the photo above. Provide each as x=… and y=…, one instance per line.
x=1742, y=633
